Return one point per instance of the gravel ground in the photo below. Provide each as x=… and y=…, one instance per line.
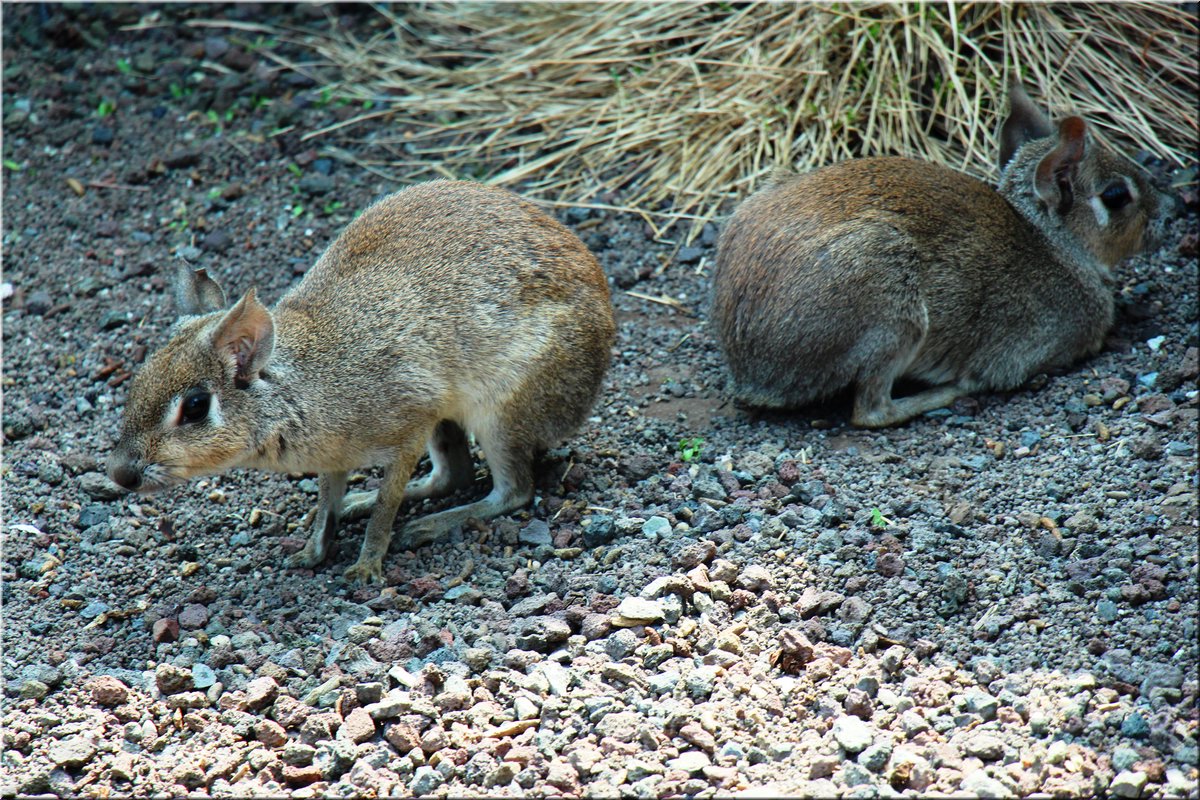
x=999, y=599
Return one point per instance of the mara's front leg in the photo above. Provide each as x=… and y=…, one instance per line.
x=369, y=566
x=331, y=487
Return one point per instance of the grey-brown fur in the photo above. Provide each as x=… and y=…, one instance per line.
x=445, y=308
x=871, y=270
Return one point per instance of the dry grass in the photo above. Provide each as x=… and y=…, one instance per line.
x=675, y=108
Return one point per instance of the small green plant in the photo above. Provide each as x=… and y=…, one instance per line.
x=297, y=210
x=258, y=102
x=105, y=108
x=332, y=206
x=177, y=225
x=689, y=449
x=178, y=91
x=295, y=170
x=878, y=520
x=12, y=165
x=123, y=66
x=214, y=193
x=263, y=42
x=368, y=105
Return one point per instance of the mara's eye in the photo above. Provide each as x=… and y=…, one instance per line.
x=1115, y=196
x=195, y=406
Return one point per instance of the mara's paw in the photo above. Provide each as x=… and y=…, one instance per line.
x=423, y=531
x=305, y=559
x=365, y=571
x=358, y=504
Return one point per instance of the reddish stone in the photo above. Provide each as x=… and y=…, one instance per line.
x=301, y=776
x=403, y=737
x=108, y=691
x=165, y=630
x=357, y=726
x=270, y=733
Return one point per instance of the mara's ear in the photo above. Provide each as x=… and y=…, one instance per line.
x=196, y=292
x=1025, y=122
x=1056, y=173
x=246, y=335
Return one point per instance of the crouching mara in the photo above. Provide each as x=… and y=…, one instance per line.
x=445, y=309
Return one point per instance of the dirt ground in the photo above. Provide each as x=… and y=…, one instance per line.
x=997, y=599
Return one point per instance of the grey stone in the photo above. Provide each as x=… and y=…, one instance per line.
x=912, y=723
x=1128, y=785
x=980, y=784
x=985, y=746
x=94, y=609
x=620, y=725
x=638, y=611
x=537, y=532
x=875, y=757
x=663, y=682
x=315, y=183
x=701, y=680
x=98, y=487
x=855, y=775
x=656, y=527
x=334, y=758
x=540, y=633
x=709, y=488
x=203, y=676
x=983, y=704
x=73, y=752
x=193, y=615
x=1164, y=675
x=93, y=515
x=38, y=302
x=620, y=643
x=852, y=734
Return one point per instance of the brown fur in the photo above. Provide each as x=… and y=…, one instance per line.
x=871, y=270
x=444, y=309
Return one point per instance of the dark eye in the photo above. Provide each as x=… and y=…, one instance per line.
x=195, y=406
x=1115, y=196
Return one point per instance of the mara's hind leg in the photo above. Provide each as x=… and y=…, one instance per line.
x=453, y=469
x=877, y=410
x=886, y=356
x=510, y=460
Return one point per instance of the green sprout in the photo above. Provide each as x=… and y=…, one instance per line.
x=878, y=520
x=689, y=449
x=123, y=66
x=105, y=108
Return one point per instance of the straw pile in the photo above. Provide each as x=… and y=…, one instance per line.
x=675, y=108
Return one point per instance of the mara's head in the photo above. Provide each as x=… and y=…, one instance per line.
x=191, y=409
x=1066, y=180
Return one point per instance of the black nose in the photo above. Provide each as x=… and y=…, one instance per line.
x=125, y=475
